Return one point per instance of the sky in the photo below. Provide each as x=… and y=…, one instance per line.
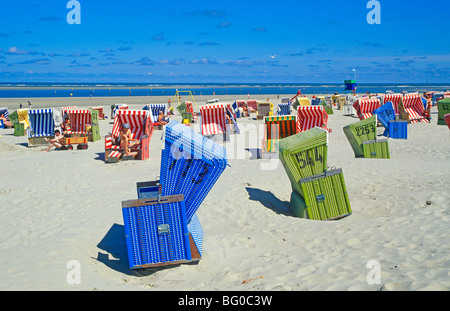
x=228, y=41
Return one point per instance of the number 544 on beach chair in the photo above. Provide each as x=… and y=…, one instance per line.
x=317, y=194
x=141, y=128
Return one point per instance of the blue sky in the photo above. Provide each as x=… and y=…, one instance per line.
x=224, y=41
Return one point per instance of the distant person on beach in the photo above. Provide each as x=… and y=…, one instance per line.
x=6, y=123
x=29, y=104
x=56, y=142
x=126, y=141
x=20, y=106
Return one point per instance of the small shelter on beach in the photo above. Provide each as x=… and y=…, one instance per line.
x=213, y=121
x=317, y=193
x=155, y=109
x=84, y=123
x=141, y=129
x=309, y=117
x=362, y=136
x=365, y=106
x=42, y=126
x=412, y=106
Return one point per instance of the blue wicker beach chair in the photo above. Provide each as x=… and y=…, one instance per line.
x=190, y=165
x=284, y=109
x=396, y=129
x=155, y=109
x=42, y=125
x=156, y=232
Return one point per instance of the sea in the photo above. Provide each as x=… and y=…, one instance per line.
x=35, y=90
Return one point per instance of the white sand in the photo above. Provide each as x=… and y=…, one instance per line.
x=62, y=206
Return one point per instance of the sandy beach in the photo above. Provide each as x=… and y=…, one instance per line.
x=64, y=207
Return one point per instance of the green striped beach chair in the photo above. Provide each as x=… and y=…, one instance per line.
x=362, y=137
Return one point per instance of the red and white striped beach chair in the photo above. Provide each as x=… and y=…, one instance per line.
x=412, y=104
x=252, y=105
x=101, y=114
x=141, y=127
x=213, y=120
x=395, y=99
x=65, y=109
x=365, y=106
x=78, y=119
x=309, y=117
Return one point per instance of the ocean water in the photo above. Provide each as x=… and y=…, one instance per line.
x=121, y=90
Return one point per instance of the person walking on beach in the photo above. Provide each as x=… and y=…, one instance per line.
x=20, y=106
x=29, y=104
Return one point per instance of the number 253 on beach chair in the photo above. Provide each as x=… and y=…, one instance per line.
x=141, y=128
x=362, y=137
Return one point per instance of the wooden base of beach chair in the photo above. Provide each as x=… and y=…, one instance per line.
x=38, y=141
x=113, y=156
x=130, y=156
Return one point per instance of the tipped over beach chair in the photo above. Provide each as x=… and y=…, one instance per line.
x=190, y=165
x=276, y=128
x=213, y=121
x=309, y=117
x=141, y=128
x=156, y=232
x=412, y=108
x=42, y=126
x=317, y=193
x=396, y=129
x=365, y=106
x=362, y=137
